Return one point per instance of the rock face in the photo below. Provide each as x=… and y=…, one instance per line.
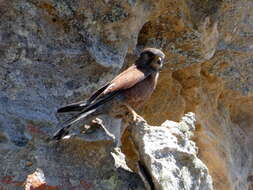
x=166, y=160
x=54, y=52
x=170, y=157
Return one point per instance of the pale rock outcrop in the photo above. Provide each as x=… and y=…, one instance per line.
x=169, y=157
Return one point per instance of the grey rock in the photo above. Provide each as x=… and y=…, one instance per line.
x=170, y=157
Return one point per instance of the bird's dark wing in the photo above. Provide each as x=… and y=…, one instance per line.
x=79, y=106
x=127, y=79
x=124, y=80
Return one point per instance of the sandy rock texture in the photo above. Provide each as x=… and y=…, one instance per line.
x=54, y=52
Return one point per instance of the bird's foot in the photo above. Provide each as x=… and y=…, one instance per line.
x=131, y=115
x=126, y=113
x=92, y=126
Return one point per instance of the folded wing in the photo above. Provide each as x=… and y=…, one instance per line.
x=79, y=106
x=123, y=81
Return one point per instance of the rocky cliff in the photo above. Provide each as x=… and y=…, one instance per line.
x=53, y=52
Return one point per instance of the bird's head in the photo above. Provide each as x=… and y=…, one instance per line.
x=151, y=57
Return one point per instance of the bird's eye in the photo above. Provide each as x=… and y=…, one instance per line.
x=159, y=61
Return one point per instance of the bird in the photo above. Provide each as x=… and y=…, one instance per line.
x=133, y=87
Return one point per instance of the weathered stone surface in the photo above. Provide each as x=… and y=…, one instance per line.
x=54, y=52
x=208, y=46
x=170, y=157
x=69, y=164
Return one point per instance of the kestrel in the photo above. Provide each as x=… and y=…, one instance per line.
x=132, y=87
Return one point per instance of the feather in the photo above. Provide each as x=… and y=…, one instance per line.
x=79, y=106
x=72, y=107
x=67, y=124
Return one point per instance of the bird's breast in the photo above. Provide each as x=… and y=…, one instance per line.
x=138, y=94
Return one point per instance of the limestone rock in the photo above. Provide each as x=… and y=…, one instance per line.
x=169, y=157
